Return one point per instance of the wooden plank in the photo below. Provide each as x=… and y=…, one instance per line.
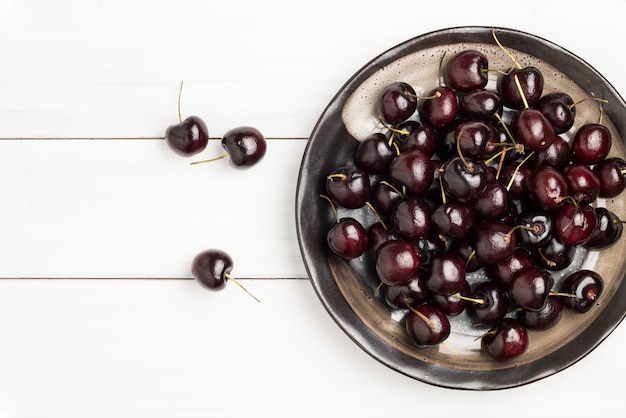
x=134, y=209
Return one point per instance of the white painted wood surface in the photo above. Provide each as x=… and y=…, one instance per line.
x=99, y=221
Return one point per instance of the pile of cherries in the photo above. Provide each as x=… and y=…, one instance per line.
x=246, y=146
x=468, y=178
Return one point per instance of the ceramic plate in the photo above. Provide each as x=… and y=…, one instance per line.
x=347, y=288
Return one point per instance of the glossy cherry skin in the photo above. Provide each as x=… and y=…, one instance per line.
x=464, y=180
x=494, y=303
x=453, y=305
x=440, y=108
x=465, y=249
x=411, y=294
x=347, y=238
x=493, y=202
x=430, y=244
x=610, y=173
x=591, y=144
x=554, y=255
x=245, y=145
x=427, y=333
x=421, y=137
x=348, y=187
x=513, y=176
x=532, y=129
x=447, y=273
x=535, y=230
x=414, y=170
x=189, y=137
x=545, y=318
x=453, y=219
x=503, y=271
x=385, y=197
x=472, y=137
x=557, y=155
x=547, y=187
x=530, y=288
x=397, y=102
x=507, y=341
x=397, y=261
x=494, y=241
x=531, y=81
x=377, y=235
x=481, y=105
x=608, y=229
x=559, y=110
x=411, y=218
x=586, y=286
x=574, y=224
x=374, y=154
x=467, y=70
x=582, y=183
x=210, y=268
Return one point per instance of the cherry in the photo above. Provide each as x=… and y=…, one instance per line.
x=211, y=269
x=414, y=170
x=349, y=187
x=347, y=238
x=440, y=107
x=465, y=249
x=453, y=219
x=586, y=287
x=385, y=196
x=473, y=137
x=507, y=341
x=555, y=254
x=411, y=294
x=608, y=229
x=189, y=136
x=574, y=223
x=411, y=218
x=494, y=241
x=426, y=325
x=591, y=144
x=536, y=228
x=582, y=183
x=397, y=261
x=521, y=87
x=530, y=288
x=245, y=146
x=455, y=304
x=493, y=202
x=610, y=173
x=464, y=179
x=481, y=105
x=374, y=154
x=531, y=128
x=513, y=176
x=467, y=70
x=556, y=155
x=503, y=271
x=429, y=245
x=547, y=188
x=421, y=137
x=447, y=273
x=559, y=110
x=544, y=318
x=490, y=303
x=377, y=235
x=397, y=102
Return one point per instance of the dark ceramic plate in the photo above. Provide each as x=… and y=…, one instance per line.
x=346, y=289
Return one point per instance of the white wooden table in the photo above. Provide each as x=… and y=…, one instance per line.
x=99, y=221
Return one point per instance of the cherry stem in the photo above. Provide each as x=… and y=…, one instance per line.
x=180, y=92
x=507, y=236
x=443, y=192
x=507, y=131
x=392, y=187
x=586, y=99
x=377, y=290
x=332, y=206
x=521, y=92
x=209, y=160
x=232, y=279
x=480, y=337
x=434, y=96
x=508, y=186
x=561, y=294
x=495, y=38
x=375, y=212
x=337, y=176
x=468, y=167
x=469, y=257
x=545, y=259
x=570, y=198
x=468, y=299
x=444, y=344
x=423, y=317
x=498, y=154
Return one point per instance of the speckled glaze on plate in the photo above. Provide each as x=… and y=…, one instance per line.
x=346, y=289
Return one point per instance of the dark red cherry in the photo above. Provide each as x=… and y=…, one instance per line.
x=591, y=144
x=455, y=304
x=531, y=82
x=440, y=107
x=465, y=249
x=535, y=228
x=426, y=325
x=530, y=288
x=608, y=229
x=556, y=155
x=453, y=219
x=467, y=70
x=491, y=303
x=494, y=241
x=348, y=187
x=397, y=261
x=545, y=318
x=481, y=105
x=610, y=173
x=188, y=137
x=377, y=235
x=464, y=179
x=421, y=137
x=559, y=110
x=397, y=102
x=554, y=255
x=503, y=271
x=585, y=286
x=493, y=202
x=211, y=268
x=347, y=238
x=374, y=154
x=447, y=273
x=532, y=129
x=473, y=137
x=507, y=341
x=547, y=188
x=574, y=224
x=582, y=183
x=411, y=218
x=414, y=170
x=513, y=176
x=429, y=245
x=245, y=145
x=385, y=197
x=411, y=294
